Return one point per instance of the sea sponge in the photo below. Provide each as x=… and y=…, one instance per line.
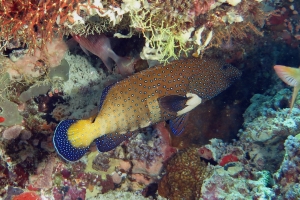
x=30, y=64
x=12, y=132
x=184, y=177
x=9, y=111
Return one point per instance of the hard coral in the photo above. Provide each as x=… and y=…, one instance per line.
x=287, y=176
x=43, y=178
x=234, y=183
x=69, y=191
x=184, y=177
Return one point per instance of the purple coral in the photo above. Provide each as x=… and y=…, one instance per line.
x=43, y=178
x=287, y=176
x=144, y=149
x=69, y=192
x=101, y=162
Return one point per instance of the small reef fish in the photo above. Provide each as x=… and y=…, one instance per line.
x=157, y=94
x=290, y=76
x=99, y=45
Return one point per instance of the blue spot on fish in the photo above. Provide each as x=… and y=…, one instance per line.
x=63, y=145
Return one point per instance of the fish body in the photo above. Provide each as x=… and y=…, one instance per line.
x=290, y=76
x=157, y=94
x=99, y=45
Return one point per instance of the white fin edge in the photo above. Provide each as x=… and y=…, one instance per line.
x=193, y=102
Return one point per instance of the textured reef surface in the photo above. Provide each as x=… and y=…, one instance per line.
x=56, y=58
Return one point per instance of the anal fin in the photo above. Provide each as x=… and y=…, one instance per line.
x=110, y=141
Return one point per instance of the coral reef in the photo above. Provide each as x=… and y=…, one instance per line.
x=267, y=120
x=229, y=184
x=284, y=22
x=167, y=26
x=244, y=144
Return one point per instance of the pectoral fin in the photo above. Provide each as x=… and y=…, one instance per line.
x=177, y=125
x=179, y=104
x=173, y=103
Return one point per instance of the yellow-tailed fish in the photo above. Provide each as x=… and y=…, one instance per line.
x=290, y=76
x=157, y=94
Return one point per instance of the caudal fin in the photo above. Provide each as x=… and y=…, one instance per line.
x=62, y=144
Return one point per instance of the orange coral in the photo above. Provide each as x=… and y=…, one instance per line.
x=33, y=19
x=184, y=178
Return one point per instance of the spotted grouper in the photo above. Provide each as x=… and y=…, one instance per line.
x=157, y=94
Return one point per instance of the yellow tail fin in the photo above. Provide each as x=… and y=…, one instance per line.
x=82, y=133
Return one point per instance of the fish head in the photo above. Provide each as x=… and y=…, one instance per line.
x=78, y=38
x=216, y=77
x=228, y=72
x=87, y=43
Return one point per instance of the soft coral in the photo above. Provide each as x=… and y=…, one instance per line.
x=100, y=46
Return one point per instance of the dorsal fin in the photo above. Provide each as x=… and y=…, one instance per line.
x=103, y=95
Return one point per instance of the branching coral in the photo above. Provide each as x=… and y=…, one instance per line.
x=33, y=19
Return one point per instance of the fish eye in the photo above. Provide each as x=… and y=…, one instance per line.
x=224, y=66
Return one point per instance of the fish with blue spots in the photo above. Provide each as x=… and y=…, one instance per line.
x=156, y=94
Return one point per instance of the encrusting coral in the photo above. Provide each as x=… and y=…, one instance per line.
x=288, y=173
x=184, y=177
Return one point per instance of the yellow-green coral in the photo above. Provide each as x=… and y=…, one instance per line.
x=162, y=41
